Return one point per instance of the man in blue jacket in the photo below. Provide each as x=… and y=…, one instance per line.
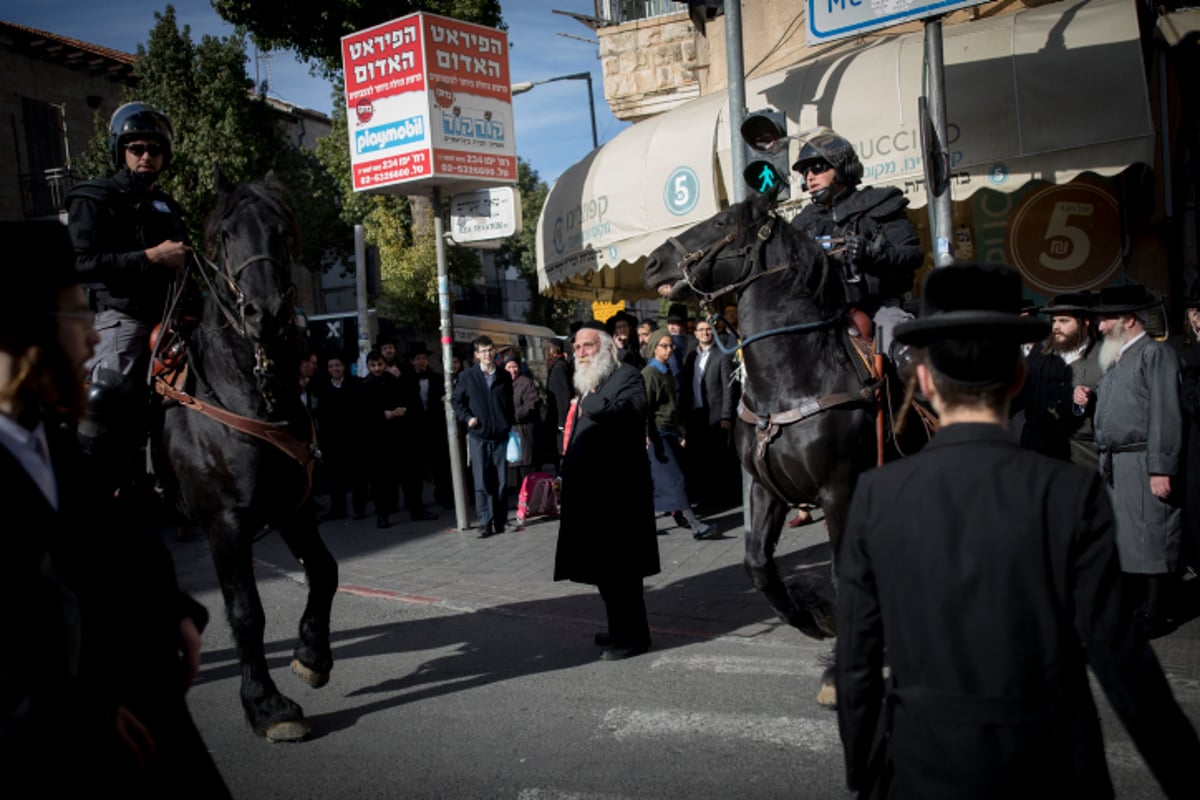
x=483, y=401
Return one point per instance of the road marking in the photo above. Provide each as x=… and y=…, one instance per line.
x=739, y=665
x=555, y=794
x=814, y=735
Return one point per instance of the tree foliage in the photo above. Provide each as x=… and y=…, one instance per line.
x=314, y=28
x=205, y=91
x=521, y=252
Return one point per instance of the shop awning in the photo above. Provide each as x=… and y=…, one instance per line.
x=1044, y=93
x=653, y=180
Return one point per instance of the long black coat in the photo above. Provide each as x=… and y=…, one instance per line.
x=1188, y=350
x=606, y=527
x=91, y=612
x=987, y=578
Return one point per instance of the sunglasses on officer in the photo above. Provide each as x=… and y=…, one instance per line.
x=138, y=149
x=816, y=168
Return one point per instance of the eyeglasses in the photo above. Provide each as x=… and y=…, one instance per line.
x=667, y=345
x=816, y=168
x=138, y=149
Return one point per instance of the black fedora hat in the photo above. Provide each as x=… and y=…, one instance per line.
x=1071, y=303
x=677, y=313
x=972, y=301
x=1126, y=299
x=1191, y=301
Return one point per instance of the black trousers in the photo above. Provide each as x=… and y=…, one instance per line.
x=490, y=472
x=625, y=602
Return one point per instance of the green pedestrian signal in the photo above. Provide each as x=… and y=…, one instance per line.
x=766, y=138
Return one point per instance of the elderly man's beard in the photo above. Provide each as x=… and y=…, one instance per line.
x=1110, y=348
x=589, y=376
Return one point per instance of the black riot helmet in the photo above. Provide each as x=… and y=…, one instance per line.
x=138, y=121
x=834, y=150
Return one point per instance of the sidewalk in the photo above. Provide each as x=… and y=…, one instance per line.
x=703, y=590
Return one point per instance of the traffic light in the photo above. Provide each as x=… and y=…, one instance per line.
x=766, y=138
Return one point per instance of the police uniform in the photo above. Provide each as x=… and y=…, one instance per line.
x=112, y=222
x=889, y=248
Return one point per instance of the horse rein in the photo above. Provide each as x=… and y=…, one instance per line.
x=694, y=257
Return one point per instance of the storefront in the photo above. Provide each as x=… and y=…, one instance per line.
x=1052, y=139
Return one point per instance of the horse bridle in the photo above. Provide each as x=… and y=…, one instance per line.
x=263, y=364
x=748, y=276
x=694, y=257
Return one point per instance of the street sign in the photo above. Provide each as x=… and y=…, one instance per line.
x=428, y=104
x=838, y=19
x=485, y=215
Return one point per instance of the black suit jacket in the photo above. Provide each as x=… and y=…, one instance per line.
x=987, y=578
x=716, y=383
x=493, y=407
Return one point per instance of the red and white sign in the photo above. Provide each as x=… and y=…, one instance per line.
x=429, y=104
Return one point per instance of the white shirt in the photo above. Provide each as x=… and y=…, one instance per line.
x=32, y=453
x=1074, y=355
x=702, y=354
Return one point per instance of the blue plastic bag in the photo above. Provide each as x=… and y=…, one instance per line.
x=512, y=453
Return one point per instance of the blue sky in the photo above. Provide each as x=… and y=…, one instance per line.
x=553, y=127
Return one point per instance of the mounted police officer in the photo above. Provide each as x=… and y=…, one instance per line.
x=880, y=248
x=130, y=247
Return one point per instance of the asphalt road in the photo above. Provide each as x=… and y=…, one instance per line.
x=482, y=688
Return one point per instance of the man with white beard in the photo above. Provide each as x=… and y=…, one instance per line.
x=1139, y=432
x=607, y=535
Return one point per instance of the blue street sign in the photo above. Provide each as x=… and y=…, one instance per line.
x=838, y=19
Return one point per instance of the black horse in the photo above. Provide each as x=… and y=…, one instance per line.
x=807, y=420
x=238, y=441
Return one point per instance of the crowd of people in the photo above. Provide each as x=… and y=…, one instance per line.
x=987, y=573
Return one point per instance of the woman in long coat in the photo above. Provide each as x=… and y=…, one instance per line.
x=666, y=438
x=525, y=410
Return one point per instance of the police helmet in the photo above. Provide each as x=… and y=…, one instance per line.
x=834, y=150
x=138, y=121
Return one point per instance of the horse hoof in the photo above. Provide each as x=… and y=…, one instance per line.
x=311, y=677
x=827, y=696
x=295, y=730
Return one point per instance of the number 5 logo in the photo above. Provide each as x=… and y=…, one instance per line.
x=1058, y=255
x=682, y=191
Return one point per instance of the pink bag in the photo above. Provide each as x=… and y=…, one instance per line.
x=538, y=496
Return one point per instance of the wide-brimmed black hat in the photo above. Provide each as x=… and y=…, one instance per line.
x=971, y=301
x=38, y=261
x=1071, y=303
x=385, y=338
x=677, y=313
x=1126, y=299
x=594, y=324
x=1191, y=301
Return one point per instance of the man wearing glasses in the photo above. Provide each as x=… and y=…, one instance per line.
x=130, y=247
x=866, y=231
x=483, y=401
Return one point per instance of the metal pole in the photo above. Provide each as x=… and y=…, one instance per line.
x=360, y=296
x=736, y=80
x=592, y=108
x=939, y=196
x=443, y=280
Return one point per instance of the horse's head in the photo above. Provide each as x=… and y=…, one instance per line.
x=252, y=233
x=733, y=249
x=707, y=255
